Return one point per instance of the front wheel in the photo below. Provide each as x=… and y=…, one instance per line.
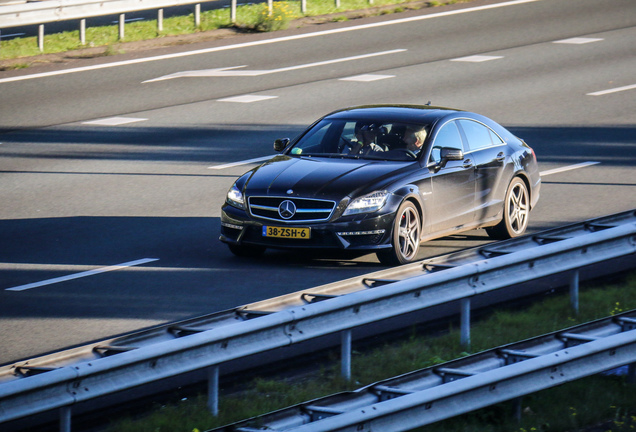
x=405, y=243
x=516, y=211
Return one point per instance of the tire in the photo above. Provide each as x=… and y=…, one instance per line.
x=246, y=251
x=405, y=243
x=515, y=212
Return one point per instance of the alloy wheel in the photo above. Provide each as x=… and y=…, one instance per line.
x=518, y=208
x=409, y=233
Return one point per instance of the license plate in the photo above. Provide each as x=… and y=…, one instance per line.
x=282, y=232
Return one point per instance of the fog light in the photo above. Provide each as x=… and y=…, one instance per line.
x=229, y=225
x=357, y=233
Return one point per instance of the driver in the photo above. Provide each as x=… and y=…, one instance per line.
x=366, y=135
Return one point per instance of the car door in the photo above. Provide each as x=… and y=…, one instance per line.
x=453, y=185
x=489, y=154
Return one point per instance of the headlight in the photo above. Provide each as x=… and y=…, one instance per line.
x=368, y=203
x=235, y=197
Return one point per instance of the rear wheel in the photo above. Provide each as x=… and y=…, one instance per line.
x=405, y=243
x=246, y=251
x=516, y=211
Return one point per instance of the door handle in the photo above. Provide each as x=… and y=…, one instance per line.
x=468, y=163
x=501, y=157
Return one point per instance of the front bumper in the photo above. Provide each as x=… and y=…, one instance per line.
x=360, y=233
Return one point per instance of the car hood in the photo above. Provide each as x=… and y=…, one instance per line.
x=322, y=177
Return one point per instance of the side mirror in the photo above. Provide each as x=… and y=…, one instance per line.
x=449, y=154
x=280, y=144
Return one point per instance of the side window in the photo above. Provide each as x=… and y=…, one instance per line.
x=448, y=136
x=478, y=135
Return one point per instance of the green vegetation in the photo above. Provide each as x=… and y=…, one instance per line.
x=252, y=17
x=566, y=408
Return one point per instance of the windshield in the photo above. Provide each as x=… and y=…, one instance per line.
x=363, y=139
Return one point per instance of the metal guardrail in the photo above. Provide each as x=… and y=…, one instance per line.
x=64, y=379
x=43, y=12
x=457, y=387
x=15, y=15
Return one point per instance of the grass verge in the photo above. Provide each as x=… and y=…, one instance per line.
x=601, y=400
x=250, y=17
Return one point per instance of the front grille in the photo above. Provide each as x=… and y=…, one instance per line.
x=304, y=209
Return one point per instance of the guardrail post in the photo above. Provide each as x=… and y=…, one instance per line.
x=303, y=6
x=83, y=32
x=122, y=20
x=270, y=7
x=337, y=4
x=464, y=323
x=631, y=373
x=41, y=37
x=517, y=408
x=65, y=419
x=574, y=291
x=213, y=390
x=345, y=349
x=197, y=15
x=233, y=12
x=160, y=20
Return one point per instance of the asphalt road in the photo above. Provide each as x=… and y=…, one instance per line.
x=106, y=162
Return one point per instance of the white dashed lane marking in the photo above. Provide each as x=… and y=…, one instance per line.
x=567, y=168
x=114, y=121
x=477, y=58
x=82, y=274
x=239, y=163
x=613, y=90
x=247, y=98
x=367, y=77
x=578, y=41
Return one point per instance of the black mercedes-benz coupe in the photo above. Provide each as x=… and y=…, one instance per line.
x=384, y=178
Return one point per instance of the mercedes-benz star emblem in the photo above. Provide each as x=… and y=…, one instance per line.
x=287, y=209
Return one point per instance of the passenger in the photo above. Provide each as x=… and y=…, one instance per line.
x=414, y=139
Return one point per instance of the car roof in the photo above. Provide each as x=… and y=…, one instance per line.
x=386, y=113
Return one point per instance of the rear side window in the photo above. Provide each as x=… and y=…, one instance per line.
x=478, y=135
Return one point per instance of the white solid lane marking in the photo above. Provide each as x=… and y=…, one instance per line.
x=245, y=162
x=567, y=168
x=114, y=121
x=82, y=274
x=614, y=90
x=578, y=41
x=476, y=58
x=265, y=42
x=367, y=77
x=542, y=173
x=237, y=71
x=247, y=98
